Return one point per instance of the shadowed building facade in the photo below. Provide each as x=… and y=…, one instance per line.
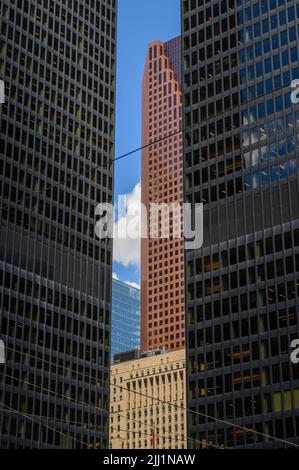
x=241, y=162
x=57, y=125
x=162, y=259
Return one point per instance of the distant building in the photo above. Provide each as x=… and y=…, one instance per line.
x=137, y=420
x=162, y=259
x=125, y=331
x=126, y=356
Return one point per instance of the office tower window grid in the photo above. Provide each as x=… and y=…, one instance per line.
x=173, y=50
x=162, y=259
x=57, y=124
x=241, y=162
x=125, y=324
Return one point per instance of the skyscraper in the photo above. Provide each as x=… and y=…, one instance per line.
x=162, y=259
x=125, y=324
x=241, y=162
x=57, y=144
x=147, y=402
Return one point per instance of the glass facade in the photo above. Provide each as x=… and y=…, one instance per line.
x=56, y=151
x=241, y=162
x=125, y=329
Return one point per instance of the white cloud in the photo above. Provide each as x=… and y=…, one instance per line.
x=133, y=284
x=126, y=251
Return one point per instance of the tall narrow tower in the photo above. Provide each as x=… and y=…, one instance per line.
x=162, y=259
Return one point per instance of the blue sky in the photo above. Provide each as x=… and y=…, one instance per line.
x=139, y=23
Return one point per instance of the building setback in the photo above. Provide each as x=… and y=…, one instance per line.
x=137, y=420
x=57, y=125
x=162, y=259
x=125, y=325
x=241, y=162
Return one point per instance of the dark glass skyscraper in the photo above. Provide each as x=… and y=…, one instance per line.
x=125, y=324
x=57, y=144
x=241, y=162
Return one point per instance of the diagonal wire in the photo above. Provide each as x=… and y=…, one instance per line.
x=222, y=421
x=45, y=425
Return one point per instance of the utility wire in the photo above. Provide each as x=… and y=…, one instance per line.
x=62, y=422
x=85, y=426
x=222, y=421
x=98, y=167
x=70, y=423
x=72, y=178
x=21, y=380
x=97, y=428
x=45, y=425
x=132, y=152
x=80, y=373
x=159, y=436
x=153, y=426
x=79, y=402
x=49, y=391
x=228, y=423
x=177, y=407
x=86, y=404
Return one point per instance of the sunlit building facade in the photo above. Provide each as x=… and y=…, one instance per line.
x=147, y=402
x=162, y=257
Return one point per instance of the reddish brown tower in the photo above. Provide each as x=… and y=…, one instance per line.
x=162, y=259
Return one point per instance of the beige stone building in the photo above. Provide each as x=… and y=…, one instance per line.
x=137, y=420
